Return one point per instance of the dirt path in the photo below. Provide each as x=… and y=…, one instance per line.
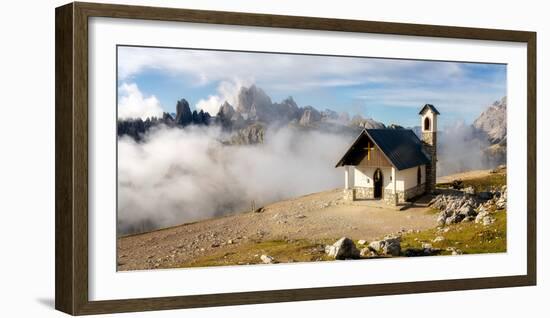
x=314, y=217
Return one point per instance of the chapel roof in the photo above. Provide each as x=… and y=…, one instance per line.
x=401, y=147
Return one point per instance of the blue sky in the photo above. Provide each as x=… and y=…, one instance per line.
x=388, y=90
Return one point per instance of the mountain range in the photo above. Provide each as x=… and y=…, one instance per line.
x=254, y=111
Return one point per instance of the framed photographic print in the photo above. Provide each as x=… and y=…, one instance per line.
x=211, y=158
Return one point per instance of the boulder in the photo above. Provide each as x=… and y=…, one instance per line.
x=441, y=219
x=481, y=215
x=390, y=245
x=266, y=259
x=467, y=210
x=501, y=204
x=367, y=252
x=344, y=248
x=469, y=190
x=455, y=218
x=376, y=245
x=454, y=251
x=362, y=242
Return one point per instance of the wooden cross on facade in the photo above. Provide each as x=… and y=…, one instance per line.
x=369, y=149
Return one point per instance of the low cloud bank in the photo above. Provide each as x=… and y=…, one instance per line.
x=460, y=149
x=179, y=175
x=184, y=175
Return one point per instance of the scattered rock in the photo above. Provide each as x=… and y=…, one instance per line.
x=390, y=245
x=344, y=248
x=376, y=245
x=367, y=252
x=427, y=246
x=300, y=216
x=488, y=220
x=467, y=210
x=455, y=218
x=479, y=218
x=469, y=190
x=267, y=259
x=457, y=184
x=454, y=250
x=464, y=207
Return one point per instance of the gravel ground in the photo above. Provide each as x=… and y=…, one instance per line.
x=321, y=215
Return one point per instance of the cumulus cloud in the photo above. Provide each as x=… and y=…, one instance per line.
x=184, y=175
x=287, y=72
x=132, y=103
x=341, y=81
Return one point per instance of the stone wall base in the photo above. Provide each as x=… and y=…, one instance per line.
x=361, y=193
x=393, y=199
x=364, y=193
x=349, y=194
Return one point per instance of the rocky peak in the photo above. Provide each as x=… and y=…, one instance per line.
x=253, y=100
x=289, y=101
x=492, y=122
x=226, y=110
x=309, y=116
x=183, y=113
x=367, y=123
x=329, y=114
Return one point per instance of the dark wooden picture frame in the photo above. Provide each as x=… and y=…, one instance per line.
x=71, y=154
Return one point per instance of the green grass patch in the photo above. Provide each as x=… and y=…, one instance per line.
x=494, y=180
x=469, y=237
x=283, y=251
x=486, y=183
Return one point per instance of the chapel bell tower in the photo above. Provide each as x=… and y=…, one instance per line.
x=428, y=123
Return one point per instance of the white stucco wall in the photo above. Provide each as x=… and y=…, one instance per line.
x=408, y=177
x=363, y=177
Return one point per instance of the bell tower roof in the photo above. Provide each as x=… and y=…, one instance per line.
x=429, y=107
